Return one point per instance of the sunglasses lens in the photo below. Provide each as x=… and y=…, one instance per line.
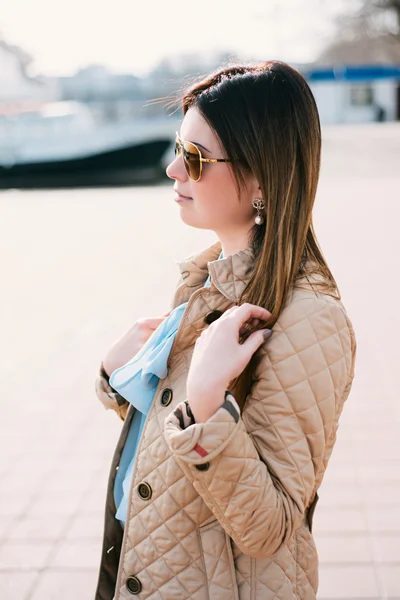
x=191, y=158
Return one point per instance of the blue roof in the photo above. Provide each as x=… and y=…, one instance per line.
x=353, y=73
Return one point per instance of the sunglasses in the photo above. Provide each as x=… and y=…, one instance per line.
x=192, y=158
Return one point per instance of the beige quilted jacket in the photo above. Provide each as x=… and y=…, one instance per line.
x=222, y=510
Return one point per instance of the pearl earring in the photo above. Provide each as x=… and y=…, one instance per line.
x=259, y=205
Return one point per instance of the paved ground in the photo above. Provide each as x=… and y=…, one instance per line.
x=77, y=267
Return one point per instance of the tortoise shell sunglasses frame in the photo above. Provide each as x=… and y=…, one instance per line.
x=192, y=158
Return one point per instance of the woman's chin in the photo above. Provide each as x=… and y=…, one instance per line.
x=190, y=220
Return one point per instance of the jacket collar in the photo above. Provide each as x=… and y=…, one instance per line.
x=229, y=275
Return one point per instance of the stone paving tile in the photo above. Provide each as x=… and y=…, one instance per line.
x=333, y=494
x=380, y=473
x=5, y=524
x=341, y=549
x=93, y=502
x=83, y=464
x=388, y=450
x=23, y=479
x=24, y=556
x=13, y=503
x=17, y=585
x=56, y=503
x=341, y=475
x=65, y=481
x=82, y=554
x=390, y=576
x=338, y=520
x=348, y=583
x=38, y=528
x=387, y=548
x=86, y=527
x=66, y=585
x=383, y=519
x=384, y=494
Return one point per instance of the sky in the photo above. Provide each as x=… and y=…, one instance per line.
x=131, y=36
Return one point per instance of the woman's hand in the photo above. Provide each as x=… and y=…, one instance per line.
x=131, y=342
x=218, y=357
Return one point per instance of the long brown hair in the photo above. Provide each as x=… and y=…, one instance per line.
x=267, y=121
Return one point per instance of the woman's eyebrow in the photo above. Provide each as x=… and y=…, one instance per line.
x=204, y=148
x=198, y=144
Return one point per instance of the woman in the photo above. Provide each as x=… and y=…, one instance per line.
x=226, y=460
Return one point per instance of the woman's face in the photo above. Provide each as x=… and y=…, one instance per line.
x=214, y=203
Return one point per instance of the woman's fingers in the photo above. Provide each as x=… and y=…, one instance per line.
x=251, y=323
x=246, y=312
x=247, y=316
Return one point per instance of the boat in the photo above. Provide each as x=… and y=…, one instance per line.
x=62, y=144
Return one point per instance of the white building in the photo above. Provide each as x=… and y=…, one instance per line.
x=356, y=94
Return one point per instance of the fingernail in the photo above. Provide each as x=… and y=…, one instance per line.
x=267, y=333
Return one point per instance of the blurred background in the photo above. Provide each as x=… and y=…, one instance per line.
x=79, y=83
x=90, y=237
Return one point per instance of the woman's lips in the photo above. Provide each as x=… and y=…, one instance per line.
x=180, y=198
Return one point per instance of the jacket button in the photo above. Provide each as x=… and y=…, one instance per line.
x=133, y=584
x=144, y=490
x=212, y=316
x=203, y=467
x=166, y=397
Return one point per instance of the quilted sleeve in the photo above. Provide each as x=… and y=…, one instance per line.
x=258, y=472
x=108, y=396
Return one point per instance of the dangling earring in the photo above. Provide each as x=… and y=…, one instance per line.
x=259, y=205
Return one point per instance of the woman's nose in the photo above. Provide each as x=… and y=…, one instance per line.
x=176, y=169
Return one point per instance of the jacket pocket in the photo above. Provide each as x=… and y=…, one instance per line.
x=218, y=562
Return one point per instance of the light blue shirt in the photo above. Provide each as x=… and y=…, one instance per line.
x=137, y=382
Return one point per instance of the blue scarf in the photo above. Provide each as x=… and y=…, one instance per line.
x=137, y=382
